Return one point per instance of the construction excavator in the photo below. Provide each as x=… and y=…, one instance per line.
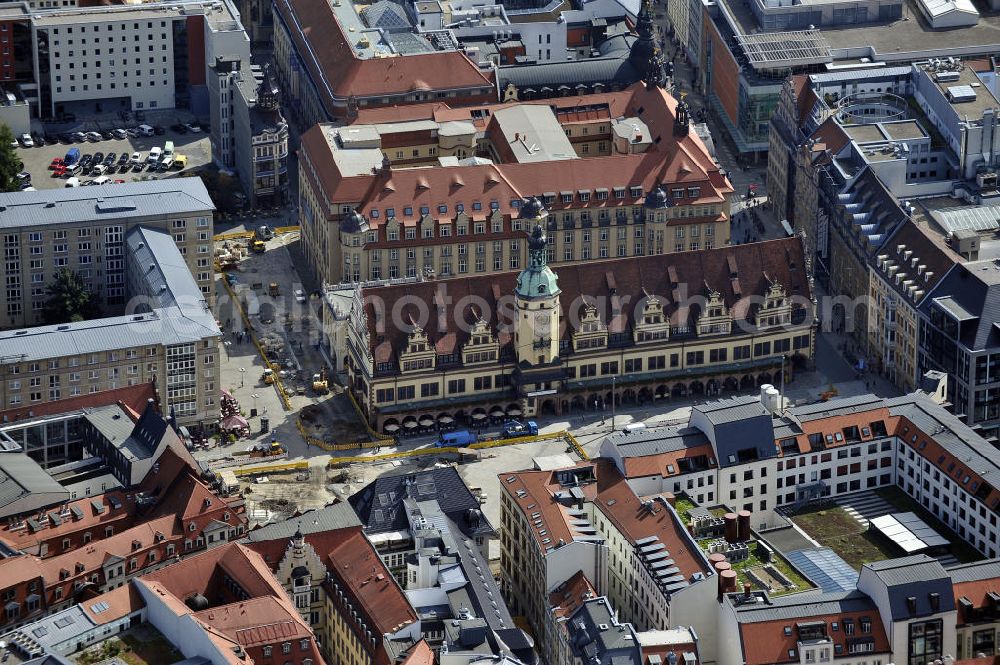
x=320, y=384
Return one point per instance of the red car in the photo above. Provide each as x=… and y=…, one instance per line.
x=59, y=171
x=56, y=163
x=119, y=182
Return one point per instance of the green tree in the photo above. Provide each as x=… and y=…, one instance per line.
x=69, y=300
x=10, y=163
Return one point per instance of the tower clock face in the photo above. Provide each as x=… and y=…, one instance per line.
x=542, y=320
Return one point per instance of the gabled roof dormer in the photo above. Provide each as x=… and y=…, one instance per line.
x=776, y=310
x=592, y=332
x=418, y=354
x=715, y=318
x=482, y=345
x=651, y=323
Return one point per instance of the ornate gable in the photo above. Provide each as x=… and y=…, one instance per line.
x=651, y=324
x=715, y=318
x=592, y=333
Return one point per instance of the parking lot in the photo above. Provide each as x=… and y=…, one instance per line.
x=196, y=147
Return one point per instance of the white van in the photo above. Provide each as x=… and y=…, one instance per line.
x=634, y=427
x=167, y=163
x=101, y=180
x=100, y=169
x=73, y=182
x=145, y=130
x=154, y=155
x=168, y=149
x=73, y=170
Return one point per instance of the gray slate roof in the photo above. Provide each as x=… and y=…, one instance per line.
x=803, y=605
x=972, y=572
x=380, y=503
x=960, y=440
x=976, y=288
x=736, y=425
x=330, y=518
x=155, y=256
x=914, y=577
x=594, y=635
x=164, y=326
x=656, y=441
x=127, y=201
x=21, y=476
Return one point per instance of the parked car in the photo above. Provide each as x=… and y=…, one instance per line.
x=107, y=134
x=24, y=176
x=179, y=128
x=136, y=168
x=15, y=144
x=79, y=137
x=85, y=160
x=137, y=157
x=123, y=159
x=56, y=163
x=94, y=137
x=154, y=155
x=26, y=187
x=159, y=131
x=99, y=169
x=194, y=128
x=119, y=181
x=119, y=133
x=110, y=158
x=27, y=141
x=40, y=140
x=73, y=182
x=300, y=295
x=98, y=157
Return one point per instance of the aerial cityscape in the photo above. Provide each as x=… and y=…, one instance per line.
x=500, y=332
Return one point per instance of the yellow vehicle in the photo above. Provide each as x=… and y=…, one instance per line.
x=273, y=289
x=268, y=376
x=320, y=385
x=180, y=162
x=257, y=245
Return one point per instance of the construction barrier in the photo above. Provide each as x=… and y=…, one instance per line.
x=270, y=468
x=479, y=445
x=246, y=235
x=377, y=436
x=278, y=385
x=287, y=229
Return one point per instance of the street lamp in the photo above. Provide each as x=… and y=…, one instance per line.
x=613, y=403
x=243, y=374
x=254, y=398
x=226, y=345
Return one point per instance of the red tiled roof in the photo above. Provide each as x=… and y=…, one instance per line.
x=757, y=263
x=570, y=595
x=338, y=72
x=533, y=493
x=358, y=566
x=121, y=602
x=256, y=621
x=656, y=465
x=765, y=642
x=670, y=160
x=419, y=654
x=832, y=135
x=131, y=398
x=624, y=509
x=16, y=570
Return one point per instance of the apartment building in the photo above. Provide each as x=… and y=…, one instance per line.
x=84, y=229
x=959, y=335
x=430, y=190
x=544, y=341
x=169, y=337
x=134, y=505
x=823, y=450
x=123, y=57
x=225, y=606
x=252, y=134
x=339, y=586
x=910, y=263
x=901, y=611
x=333, y=64
x=561, y=525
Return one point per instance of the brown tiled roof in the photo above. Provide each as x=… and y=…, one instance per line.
x=570, y=595
x=656, y=465
x=16, y=570
x=623, y=507
x=532, y=492
x=668, y=161
x=765, y=642
x=253, y=622
x=314, y=28
x=756, y=264
x=804, y=96
x=359, y=568
x=831, y=135
x=121, y=602
x=419, y=654
x=199, y=574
